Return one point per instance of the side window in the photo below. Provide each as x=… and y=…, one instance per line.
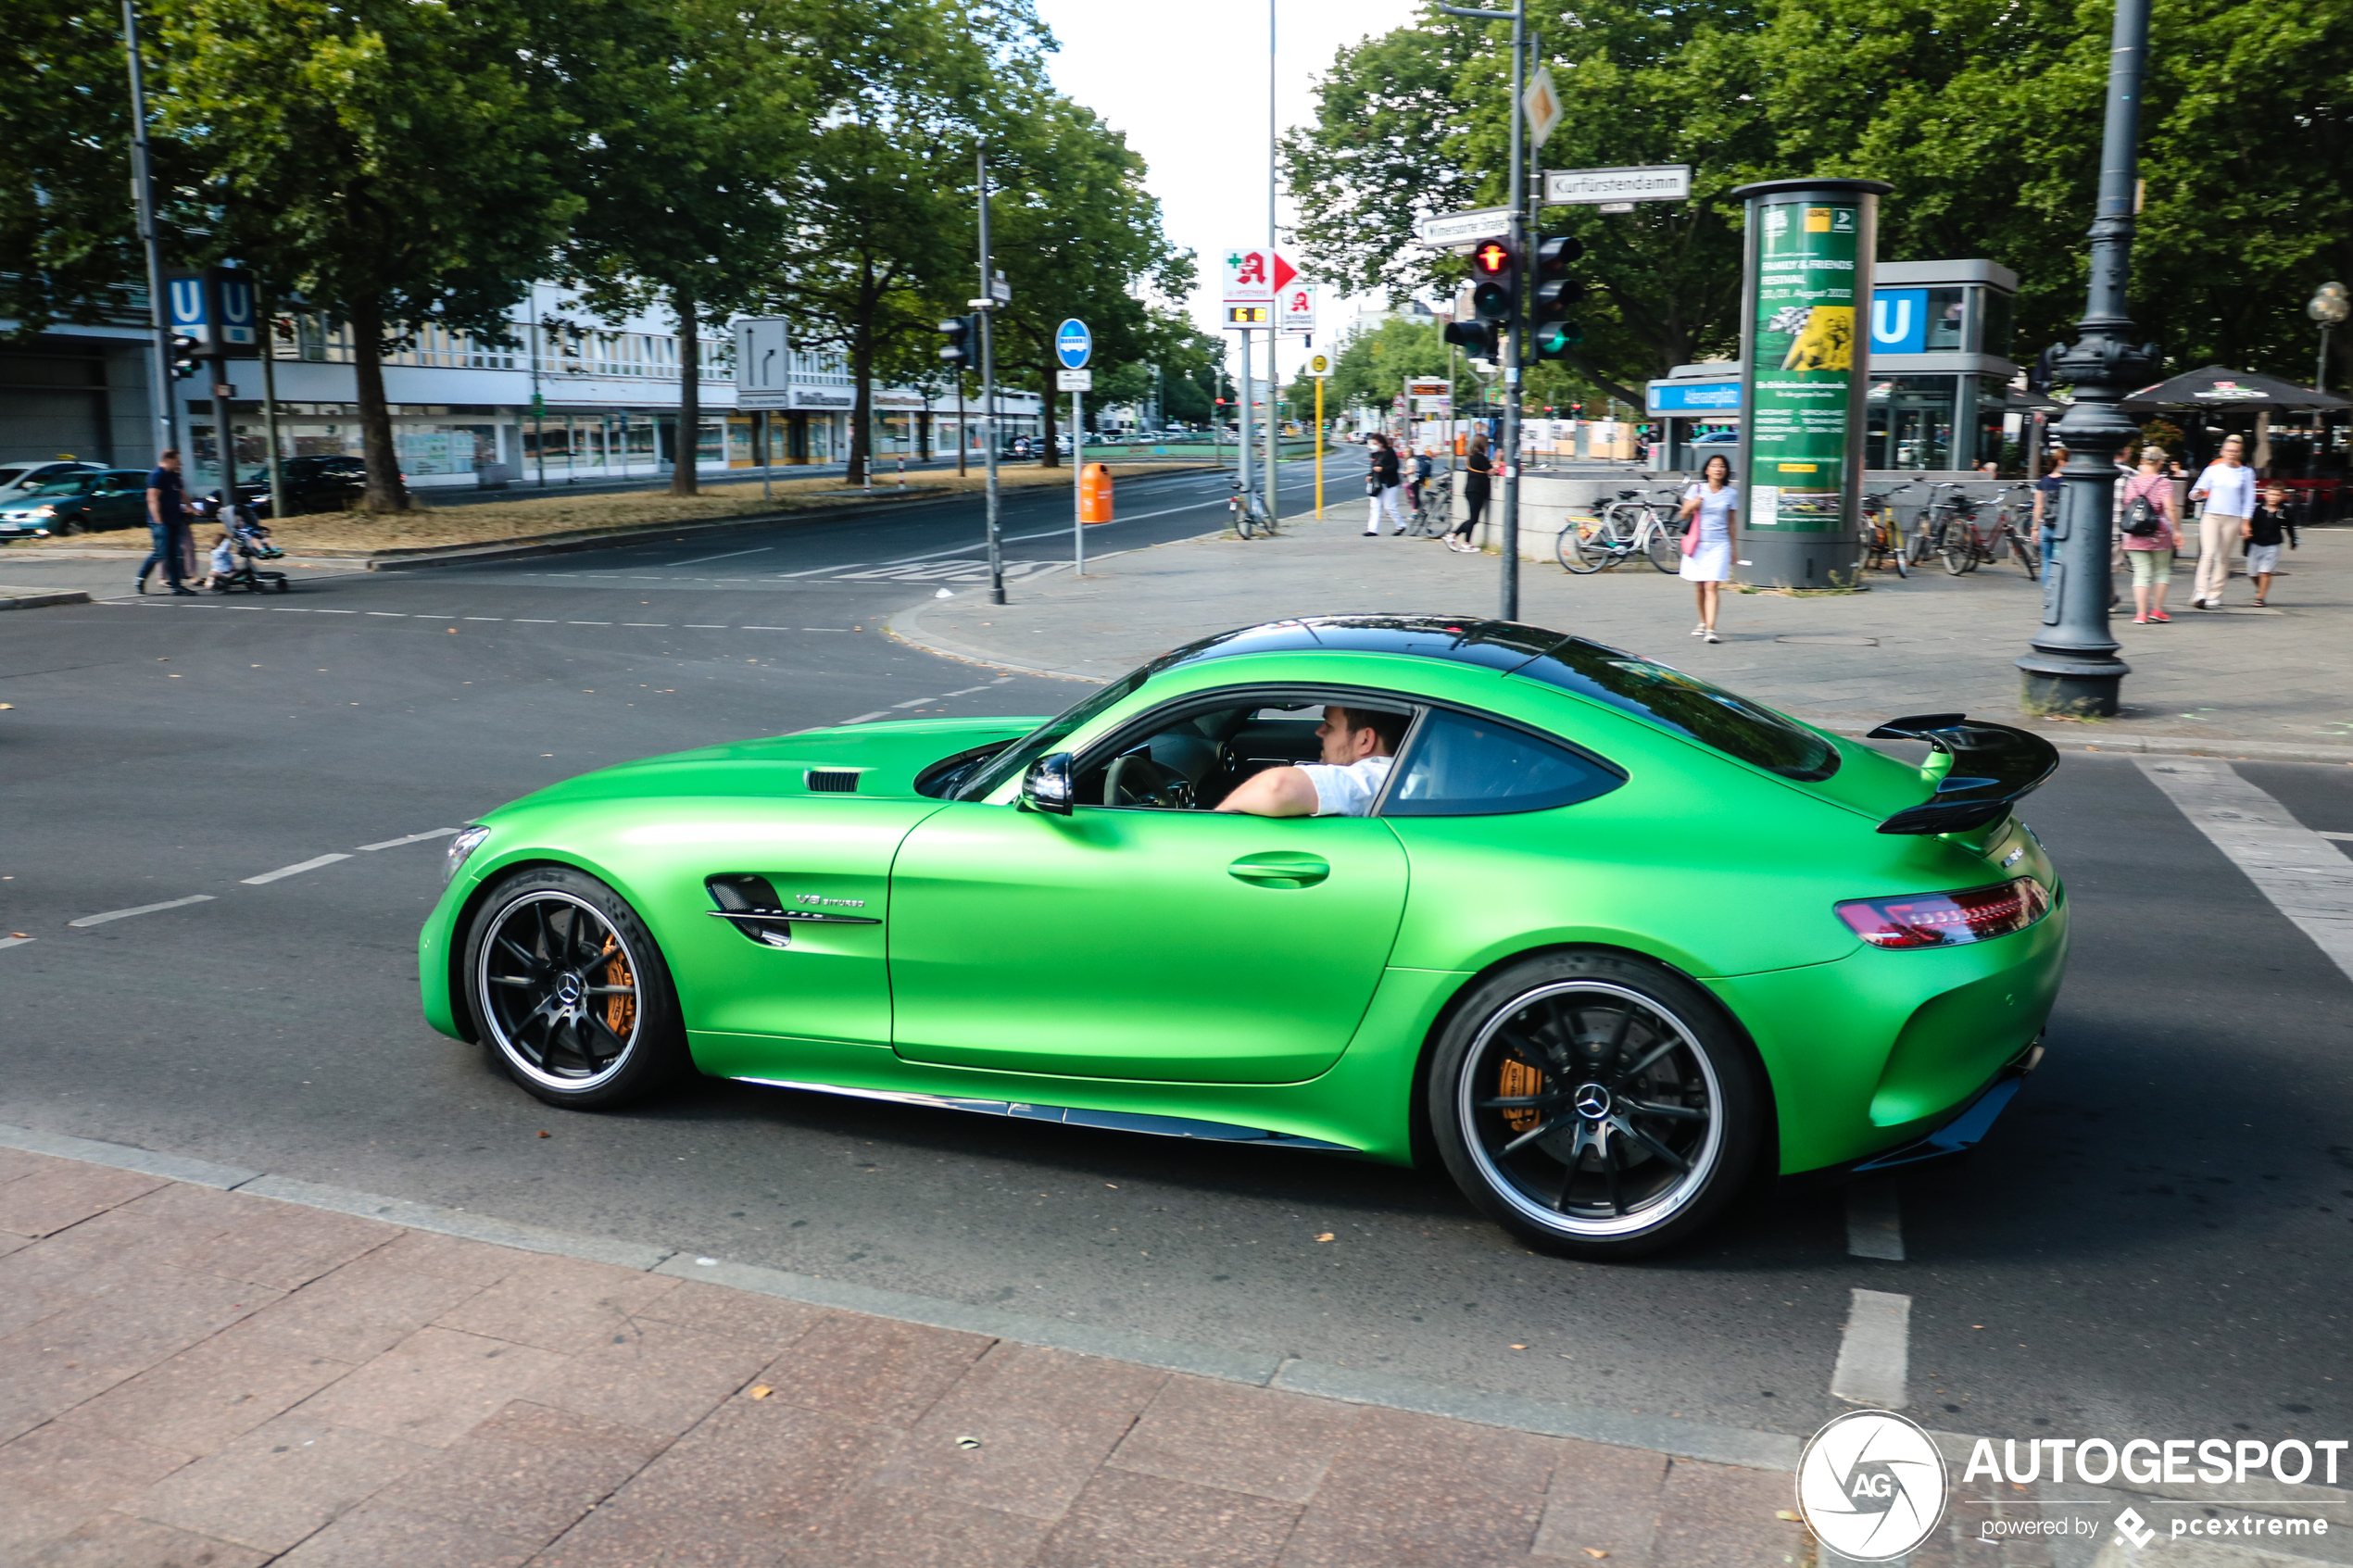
x=1465, y=766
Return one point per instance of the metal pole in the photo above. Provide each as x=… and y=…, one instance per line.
x=762, y=434
x=1319, y=449
x=538, y=405
x=2321, y=370
x=143, y=189
x=1244, y=401
x=1510, y=518
x=1078, y=481
x=270, y=407
x=1274, y=333
x=2072, y=666
x=989, y=389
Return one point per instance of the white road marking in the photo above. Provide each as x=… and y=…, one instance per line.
x=1874, y=1222
x=729, y=556
x=395, y=614
x=584, y=623
x=2340, y=836
x=532, y=620
x=14, y=941
x=877, y=714
x=310, y=865
x=815, y=569
x=656, y=625
x=763, y=628
x=2305, y=877
x=699, y=626
x=141, y=909
x=917, y=703
x=336, y=612
x=485, y=618
x=412, y=838
x=1874, y=1355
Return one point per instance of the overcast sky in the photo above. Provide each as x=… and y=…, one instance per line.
x=1187, y=82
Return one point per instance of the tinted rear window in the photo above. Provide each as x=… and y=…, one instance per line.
x=1688, y=706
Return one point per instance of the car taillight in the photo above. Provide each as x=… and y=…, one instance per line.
x=1947, y=920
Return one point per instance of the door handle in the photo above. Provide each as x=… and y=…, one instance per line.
x=1280, y=868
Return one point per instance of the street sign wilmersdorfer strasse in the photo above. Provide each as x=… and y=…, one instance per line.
x=1596, y=187
x=1463, y=230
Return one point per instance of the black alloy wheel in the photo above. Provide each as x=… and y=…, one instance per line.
x=569, y=990
x=1595, y=1106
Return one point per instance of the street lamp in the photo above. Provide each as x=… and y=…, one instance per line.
x=2071, y=668
x=2329, y=307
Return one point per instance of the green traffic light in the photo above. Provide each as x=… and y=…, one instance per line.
x=1556, y=339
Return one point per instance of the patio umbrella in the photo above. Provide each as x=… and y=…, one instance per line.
x=2218, y=386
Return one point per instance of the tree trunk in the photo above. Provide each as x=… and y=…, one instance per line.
x=862, y=412
x=1050, y=406
x=388, y=491
x=687, y=445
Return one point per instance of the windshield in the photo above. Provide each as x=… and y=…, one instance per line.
x=64, y=487
x=1688, y=706
x=1047, y=738
x=9, y=476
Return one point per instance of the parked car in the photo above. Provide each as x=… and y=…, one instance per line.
x=313, y=484
x=1717, y=438
x=22, y=479
x=77, y=502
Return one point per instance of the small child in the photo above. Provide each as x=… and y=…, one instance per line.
x=2262, y=534
x=224, y=561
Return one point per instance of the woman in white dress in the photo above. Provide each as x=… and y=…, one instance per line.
x=1708, y=510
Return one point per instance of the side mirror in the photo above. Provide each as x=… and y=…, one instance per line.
x=1048, y=785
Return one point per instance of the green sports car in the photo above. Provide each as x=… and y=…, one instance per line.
x=1604, y=940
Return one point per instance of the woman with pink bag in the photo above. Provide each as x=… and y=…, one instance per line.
x=1708, y=508
x=2150, y=533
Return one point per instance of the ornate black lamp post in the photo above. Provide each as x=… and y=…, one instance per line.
x=2072, y=668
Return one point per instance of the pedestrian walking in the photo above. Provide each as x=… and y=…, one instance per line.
x=2149, y=529
x=2263, y=532
x=2228, y=489
x=2047, y=488
x=1710, y=508
x=167, y=525
x=1477, y=467
x=1382, y=481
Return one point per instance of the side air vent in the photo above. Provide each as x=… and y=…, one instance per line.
x=833, y=780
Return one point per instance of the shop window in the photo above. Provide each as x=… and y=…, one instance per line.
x=1947, y=313
x=1909, y=421
x=1994, y=312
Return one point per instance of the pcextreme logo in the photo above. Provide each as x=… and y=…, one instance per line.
x=1871, y=1486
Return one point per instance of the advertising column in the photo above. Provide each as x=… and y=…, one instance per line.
x=1810, y=245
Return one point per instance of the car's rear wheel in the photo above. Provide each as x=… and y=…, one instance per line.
x=571, y=993
x=1595, y=1106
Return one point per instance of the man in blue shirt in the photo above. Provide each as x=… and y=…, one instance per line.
x=167, y=523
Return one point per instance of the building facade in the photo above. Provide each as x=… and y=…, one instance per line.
x=572, y=400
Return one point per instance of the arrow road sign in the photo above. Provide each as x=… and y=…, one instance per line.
x=1463, y=228
x=1073, y=344
x=1594, y=187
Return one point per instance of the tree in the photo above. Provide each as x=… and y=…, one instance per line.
x=65, y=138
x=1078, y=235
x=691, y=117
x=882, y=246
x=393, y=162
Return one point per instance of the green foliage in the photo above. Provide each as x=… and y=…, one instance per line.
x=1984, y=114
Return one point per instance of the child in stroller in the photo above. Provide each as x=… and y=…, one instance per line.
x=243, y=540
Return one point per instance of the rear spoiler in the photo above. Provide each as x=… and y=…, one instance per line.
x=1978, y=769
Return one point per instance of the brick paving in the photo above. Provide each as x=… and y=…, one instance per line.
x=2272, y=683
x=199, y=1378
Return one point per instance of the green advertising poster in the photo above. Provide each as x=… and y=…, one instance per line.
x=1803, y=344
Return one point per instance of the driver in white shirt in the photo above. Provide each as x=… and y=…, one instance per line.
x=1359, y=745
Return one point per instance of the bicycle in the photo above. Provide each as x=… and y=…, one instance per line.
x=1885, y=546
x=1433, y=514
x=1624, y=527
x=1251, y=517
x=1951, y=524
x=2021, y=542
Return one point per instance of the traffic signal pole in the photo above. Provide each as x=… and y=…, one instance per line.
x=159, y=377
x=1517, y=338
x=986, y=305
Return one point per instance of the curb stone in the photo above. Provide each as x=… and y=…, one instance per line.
x=36, y=598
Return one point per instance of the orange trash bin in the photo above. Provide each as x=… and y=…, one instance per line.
x=1094, y=494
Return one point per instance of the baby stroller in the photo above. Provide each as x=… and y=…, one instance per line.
x=246, y=541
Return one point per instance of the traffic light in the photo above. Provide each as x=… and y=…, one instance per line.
x=1557, y=292
x=1478, y=339
x=183, y=356
x=1495, y=284
x=963, y=333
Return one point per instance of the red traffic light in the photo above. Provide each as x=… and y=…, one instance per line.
x=1492, y=258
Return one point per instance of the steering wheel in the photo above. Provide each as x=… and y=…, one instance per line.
x=1137, y=780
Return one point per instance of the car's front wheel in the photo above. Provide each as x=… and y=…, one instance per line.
x=569, y=990
x=1594, y=1105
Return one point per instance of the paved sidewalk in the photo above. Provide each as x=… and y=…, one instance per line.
x=2274, y=682
x=196, y=1376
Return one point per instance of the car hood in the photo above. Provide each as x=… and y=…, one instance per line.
x=887, y=758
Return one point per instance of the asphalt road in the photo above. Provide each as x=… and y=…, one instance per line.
x=2154, y=1239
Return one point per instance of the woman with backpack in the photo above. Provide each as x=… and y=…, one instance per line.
x=1477, y=468
x=2150, y=532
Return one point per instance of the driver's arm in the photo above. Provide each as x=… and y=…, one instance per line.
x=1274, y=792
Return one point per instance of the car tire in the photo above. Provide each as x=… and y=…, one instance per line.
x=569, y=992
x=68, y=526
x=1595, y=1106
